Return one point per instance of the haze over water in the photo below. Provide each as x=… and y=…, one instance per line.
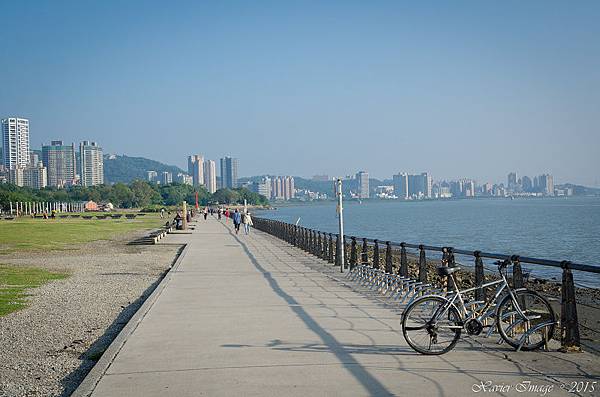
x=549, y=228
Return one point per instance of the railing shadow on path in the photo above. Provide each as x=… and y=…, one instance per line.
x=368, y=381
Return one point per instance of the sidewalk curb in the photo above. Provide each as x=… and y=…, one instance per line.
x=89, y=383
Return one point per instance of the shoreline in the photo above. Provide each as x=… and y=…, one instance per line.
x=549, y=229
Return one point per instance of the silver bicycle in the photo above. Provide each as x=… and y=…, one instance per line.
x=433, y=324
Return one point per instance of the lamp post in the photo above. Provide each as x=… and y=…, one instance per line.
x=340, y=211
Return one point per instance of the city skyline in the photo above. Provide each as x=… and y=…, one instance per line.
x=60, y=164
x=199, y=171
x=388, y=87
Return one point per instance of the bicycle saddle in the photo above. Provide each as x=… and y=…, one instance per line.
x=446, y=271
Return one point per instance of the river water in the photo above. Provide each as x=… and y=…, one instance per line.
x=549, y=228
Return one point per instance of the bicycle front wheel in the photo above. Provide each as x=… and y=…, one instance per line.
x=431, y=325
x=530, y=331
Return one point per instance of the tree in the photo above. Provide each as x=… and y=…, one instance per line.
x=225, y=196
x=144, y=194
x=251, y=197
x=121, y=196
x=176, y=193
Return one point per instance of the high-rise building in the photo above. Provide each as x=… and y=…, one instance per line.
x=413, y=186
x=401, y=185
x=229, y=172
x=196, y=169
x=152, y=176
x=59, y=160
x=15, y=176
x=469, y=188
x=35, y=176
x=289, y=191
x=362, y=179
x=546, y=184
x=428, y=182
x=512, y=180
x=210, y=175
x=263, y=187
x=277, y=189
x=15, y=142
x=527, y=184
x=167, y=178
x=34, y=158
x=91, y=164
x=281, y=187
x=487, y=188
x=185, y=179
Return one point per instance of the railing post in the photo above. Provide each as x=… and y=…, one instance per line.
x=376, y=255
x=319, y=246
x=305, y=239
x=346, y=253
x=324, y=245
x=479, y=277
x=569, y=323
x=422, y=264
x=451, y=263
x=353, y=257
x=517, y=272
x=365, y=252
x=403, y=260
x=330, y=250
x=388, y=258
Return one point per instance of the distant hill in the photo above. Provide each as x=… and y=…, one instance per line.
x=126, y=169
x=579, y=190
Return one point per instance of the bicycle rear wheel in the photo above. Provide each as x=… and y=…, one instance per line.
x=429, y=328
x=532, y=331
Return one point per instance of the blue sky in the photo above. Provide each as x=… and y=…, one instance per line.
x=459, y=89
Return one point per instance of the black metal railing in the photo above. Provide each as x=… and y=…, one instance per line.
x=367, y=251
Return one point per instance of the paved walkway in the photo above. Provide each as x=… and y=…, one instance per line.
x=253, y=316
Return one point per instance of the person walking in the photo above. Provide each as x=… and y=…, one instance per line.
x=205, y=212
x=237, y=220
x=226, y=214
x=219, y=211
x=247, y=222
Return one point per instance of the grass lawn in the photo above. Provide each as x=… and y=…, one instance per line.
x=16, y=280
x=61, y=234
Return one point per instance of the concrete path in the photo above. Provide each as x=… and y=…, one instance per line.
x=253, y=316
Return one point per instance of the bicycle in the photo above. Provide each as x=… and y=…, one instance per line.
x=433, y=324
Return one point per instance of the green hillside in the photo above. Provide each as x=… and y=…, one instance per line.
x=126, y=169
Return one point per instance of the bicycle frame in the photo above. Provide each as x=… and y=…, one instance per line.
x=480, y=313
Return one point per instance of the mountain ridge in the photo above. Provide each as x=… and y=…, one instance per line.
x=123, y=168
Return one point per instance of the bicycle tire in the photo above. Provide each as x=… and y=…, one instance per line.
x=452, y=316
x=545, y=311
